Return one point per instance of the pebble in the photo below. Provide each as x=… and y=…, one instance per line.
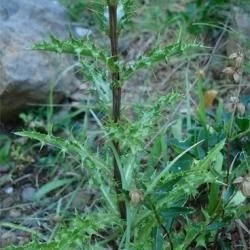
x=28, y=194
x=9, y=190
x=15, y=213
x=6, y=239
x=8, y=202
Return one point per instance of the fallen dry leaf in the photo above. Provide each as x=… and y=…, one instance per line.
x=209, y=97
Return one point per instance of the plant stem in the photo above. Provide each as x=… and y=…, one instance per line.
x=116, y=107
x=166, y=233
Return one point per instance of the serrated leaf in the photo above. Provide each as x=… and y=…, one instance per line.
x=188, y=181
x=101, y=85
x=157, y=55
x=68, y=146
x=129, y=8
x=168, y=167
x=58, y=142
x=77, y=47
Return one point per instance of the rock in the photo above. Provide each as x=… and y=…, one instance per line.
x=27, y=76
x=240, y=24
x=7, y=238
x=15, y=213
x=242, y=19
x=9, y=190
x=8, y=202
x=238, y=42
x=82, y=32
x=28, y=194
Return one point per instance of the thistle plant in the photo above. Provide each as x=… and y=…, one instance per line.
x=141, y=205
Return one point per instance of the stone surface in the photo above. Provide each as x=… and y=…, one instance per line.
x=27, y=76
x=28, y=194
x=7, y=238
x=15, y=213
x=240, y=22
x=82, y=32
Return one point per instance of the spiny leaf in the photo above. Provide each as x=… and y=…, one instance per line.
x=129, y=9
x=78, y=234
x=69, y=146
x=188, y=181
x=101, y=84
x=77, y=47
x=193, y=178
x=159, y=54
x=168, y=167
x=50, y=186
x=60, y=143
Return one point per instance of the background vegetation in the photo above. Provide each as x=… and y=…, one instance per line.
x=180, y=142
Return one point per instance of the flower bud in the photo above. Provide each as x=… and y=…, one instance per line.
x=244, y=183
x=136, y=196
x=240, y=108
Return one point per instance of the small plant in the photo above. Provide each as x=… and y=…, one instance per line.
x=150, y=181
x=5, y=146
x=204, y=12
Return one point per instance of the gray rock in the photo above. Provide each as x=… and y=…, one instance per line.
x=28, y=194
x=240, y=22
x=9, y=190
x=27, y=76
x=82, y=32
x=8, y=202
x=7, y=238
x=242, y=19
x=15, y=213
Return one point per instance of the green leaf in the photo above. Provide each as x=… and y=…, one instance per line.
x=63, y=144
x=214, y=199
x=51, y=186
x=67, y=146
x=168, y=167
x=238, y=199
x=129, y=7
x=177, y=129
x=22, y=228
x=187, y=181
x=157, y=55
x=243, y=123
x=101, y=84
x=155, y=153
x=193, y=230
x=158, y=239
x=5, y=146
x=173, y=212
x=77, y=47
x=212, y=154
x=201, y=241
